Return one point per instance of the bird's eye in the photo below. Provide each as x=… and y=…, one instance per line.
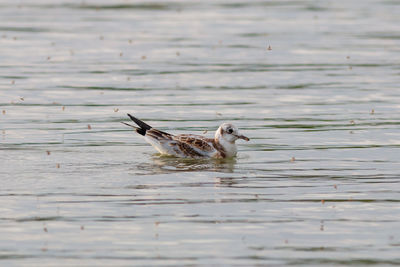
x=230, y=131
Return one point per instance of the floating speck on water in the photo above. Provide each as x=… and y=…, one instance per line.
x=12, y=82
x=178, y=54
x=4, y=112
x=143, y=57
x=45, y=229
x=348, y=57
x=48, y=152
x=101, y=37
x=48, y=58
x=116, y=109
x=322, y=201
x=128, y=78
x=82, y=227
x=130, y=41
x=89, y=127
x=121, y=54
x=21, y=98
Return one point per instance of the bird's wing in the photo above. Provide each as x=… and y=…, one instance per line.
x=184, y=145
x=158, y=135
x=192, y=144
x=161, y=141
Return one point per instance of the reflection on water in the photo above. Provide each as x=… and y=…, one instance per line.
x=168, y=164
x=312, y=83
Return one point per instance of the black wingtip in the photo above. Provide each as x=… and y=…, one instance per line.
x=140, y=131
x=143, y=127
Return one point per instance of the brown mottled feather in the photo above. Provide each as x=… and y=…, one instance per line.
x=188, y=150
x=197, y=141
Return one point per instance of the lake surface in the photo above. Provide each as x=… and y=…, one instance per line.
x=314, y=84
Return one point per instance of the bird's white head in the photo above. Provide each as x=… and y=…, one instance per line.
x=228, y=133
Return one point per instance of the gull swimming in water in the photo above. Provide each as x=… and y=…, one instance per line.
x=191, y=145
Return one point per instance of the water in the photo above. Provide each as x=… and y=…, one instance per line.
x=317, y=184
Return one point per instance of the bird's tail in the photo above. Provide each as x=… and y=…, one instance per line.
x=143, y=127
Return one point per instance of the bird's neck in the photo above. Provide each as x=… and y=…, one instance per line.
x=229, y=148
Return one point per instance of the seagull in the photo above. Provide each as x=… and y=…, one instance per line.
x=191, y=145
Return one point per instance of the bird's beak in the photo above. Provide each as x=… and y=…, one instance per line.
x=243, y=137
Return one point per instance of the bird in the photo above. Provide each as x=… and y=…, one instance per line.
x=191, y=145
